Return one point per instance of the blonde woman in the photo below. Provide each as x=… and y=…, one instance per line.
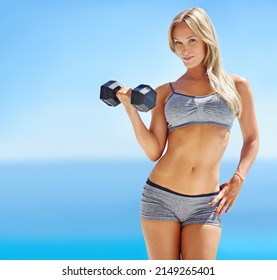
x=182, y=200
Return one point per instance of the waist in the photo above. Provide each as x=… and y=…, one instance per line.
x=185, y=179
x=149, y=182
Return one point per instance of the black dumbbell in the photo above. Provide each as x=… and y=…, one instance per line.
x=143, y=97
x=108, y=93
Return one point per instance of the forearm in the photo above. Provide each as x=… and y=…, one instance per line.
x=145, y=138
x=248, y=154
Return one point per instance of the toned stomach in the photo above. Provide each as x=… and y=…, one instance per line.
x=191, y=162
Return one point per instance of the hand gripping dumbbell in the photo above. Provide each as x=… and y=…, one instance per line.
x=143, y=97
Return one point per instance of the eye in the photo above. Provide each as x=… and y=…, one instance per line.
x=177, y=42
x=192, y=40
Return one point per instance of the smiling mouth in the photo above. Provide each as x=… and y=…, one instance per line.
x=188, y=58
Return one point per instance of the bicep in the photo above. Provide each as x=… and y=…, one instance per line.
x=158, y=125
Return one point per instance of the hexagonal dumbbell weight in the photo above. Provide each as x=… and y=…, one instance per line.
x=143, y=98
x=108, y=93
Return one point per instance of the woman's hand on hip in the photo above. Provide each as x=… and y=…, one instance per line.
x=228, y=194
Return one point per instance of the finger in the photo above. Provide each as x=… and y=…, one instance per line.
x=124, y=90
x=223, y=186
x=120, y=92
x=223, y=191
x=221, y=206
x=217, y=198
x=229, y=207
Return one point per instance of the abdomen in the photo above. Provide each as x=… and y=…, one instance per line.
x=191, y=162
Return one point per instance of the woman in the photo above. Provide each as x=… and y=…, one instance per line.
x=182, y=201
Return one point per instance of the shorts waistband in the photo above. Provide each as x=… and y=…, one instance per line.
x=152, y=184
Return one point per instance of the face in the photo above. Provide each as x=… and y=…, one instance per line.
x=188, y=46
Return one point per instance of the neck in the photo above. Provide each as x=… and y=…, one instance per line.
x=195, y=73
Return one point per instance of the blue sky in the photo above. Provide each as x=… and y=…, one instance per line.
x=56, y=54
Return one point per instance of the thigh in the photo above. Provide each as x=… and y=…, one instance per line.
x=162, y=239
x=200, y=241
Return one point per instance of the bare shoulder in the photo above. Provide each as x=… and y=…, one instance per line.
x=242, y=85
x=163, y=91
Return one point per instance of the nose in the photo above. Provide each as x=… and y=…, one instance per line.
x=185, y=50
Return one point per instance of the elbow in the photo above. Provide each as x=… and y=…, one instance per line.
x=253, y=142
x=154, y=156
x=253, y=145
x=257, y=144
x=154, y=151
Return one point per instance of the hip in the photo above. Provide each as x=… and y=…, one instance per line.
x=159, y=203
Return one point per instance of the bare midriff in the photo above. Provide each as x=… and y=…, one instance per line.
x=191, y=162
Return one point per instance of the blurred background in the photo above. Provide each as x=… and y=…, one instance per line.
x=71, y=171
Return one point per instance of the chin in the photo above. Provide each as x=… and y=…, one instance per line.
x=190, y=65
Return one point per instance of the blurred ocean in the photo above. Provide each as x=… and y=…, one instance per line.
x=90, y=210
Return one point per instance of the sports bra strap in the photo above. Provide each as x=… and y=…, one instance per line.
x=171, y=87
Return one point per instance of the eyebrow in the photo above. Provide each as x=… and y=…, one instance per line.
x=186, y=38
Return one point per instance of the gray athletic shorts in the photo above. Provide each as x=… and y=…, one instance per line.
x=159, y=203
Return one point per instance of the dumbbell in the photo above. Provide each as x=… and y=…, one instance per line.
x=143, y=97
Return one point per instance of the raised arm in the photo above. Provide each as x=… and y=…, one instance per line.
x=152, y=140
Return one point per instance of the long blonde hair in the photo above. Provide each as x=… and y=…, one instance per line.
x=222, y=82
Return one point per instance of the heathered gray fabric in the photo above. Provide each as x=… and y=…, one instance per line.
x=183, y=110
x=158, y=203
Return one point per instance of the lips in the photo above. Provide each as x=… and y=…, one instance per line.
x=188, y=58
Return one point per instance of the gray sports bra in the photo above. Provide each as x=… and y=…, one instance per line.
x=184, y=110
